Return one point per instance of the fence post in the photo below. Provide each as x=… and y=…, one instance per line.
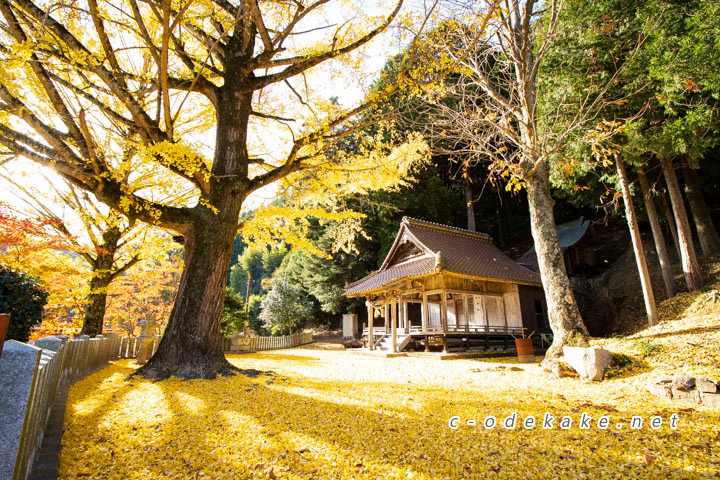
x=4, y=324
x=18, y=380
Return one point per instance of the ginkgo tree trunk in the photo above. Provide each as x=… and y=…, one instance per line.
x=106, y=102
x=492, y=117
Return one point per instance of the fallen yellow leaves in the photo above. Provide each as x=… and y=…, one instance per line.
x=330, y=414
x=686, y=340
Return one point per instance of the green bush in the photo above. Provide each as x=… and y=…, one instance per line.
x=647, y=348
x=256, y=325
x=234, y=318
x=285, y=308
x=22, y=297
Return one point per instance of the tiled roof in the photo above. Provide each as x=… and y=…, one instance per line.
x=451, y=249
x=568, y=235
x=396, y=272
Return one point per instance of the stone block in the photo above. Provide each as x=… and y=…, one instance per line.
x=239, y=343
x=590, y=363
x=114, y=345
x=660, y=390
x=683, y=382
x=94, y=353
x=350, y=325
x=710, y=400
x=691, y=396
x=706, y=386
x=49, y=343
x=81, y=364
x=18, y=371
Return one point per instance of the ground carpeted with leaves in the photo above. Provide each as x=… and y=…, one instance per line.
x=337, y=414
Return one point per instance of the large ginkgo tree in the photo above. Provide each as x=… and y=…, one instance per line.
x=107, y=92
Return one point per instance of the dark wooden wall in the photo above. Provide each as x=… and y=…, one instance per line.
x=528, y=297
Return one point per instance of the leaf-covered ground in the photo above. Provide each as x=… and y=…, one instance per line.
x=687, y=337
x=334, y=414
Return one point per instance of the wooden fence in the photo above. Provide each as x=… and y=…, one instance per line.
x=130, y=346
x=256, y=344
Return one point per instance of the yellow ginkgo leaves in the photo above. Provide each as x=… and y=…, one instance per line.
x=337, y=414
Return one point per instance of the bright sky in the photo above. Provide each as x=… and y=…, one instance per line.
x=348, y=86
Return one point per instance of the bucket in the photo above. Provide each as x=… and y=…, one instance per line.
x=525, y=350
x=4, y=324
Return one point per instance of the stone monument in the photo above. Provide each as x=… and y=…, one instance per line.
x=350, y=326
x=147, y=336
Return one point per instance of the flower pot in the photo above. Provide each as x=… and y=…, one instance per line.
x=4, y=324
x=525, y=350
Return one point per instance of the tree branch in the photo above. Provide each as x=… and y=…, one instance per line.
x=301, y=64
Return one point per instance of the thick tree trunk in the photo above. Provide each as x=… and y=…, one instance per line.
x=191, y=346
x=565, y=319
x=658, y=237
x=691, y=268
x=96, y=304
x=469, y=205
x=640, y=259
x=708, y=236
x=102, y=275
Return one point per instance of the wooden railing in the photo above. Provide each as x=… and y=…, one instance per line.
x=474, y=329
x=377, y=331
x=130, y=346
x=271, y=343
x=437, y=329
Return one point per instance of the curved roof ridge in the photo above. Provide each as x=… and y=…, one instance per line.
x=409, y=221
x=403, y=230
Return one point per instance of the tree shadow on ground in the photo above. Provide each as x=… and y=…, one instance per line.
x=306, y=427
x=687, y=331
x=279, y=357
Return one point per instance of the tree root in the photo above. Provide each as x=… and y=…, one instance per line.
x=207, y=369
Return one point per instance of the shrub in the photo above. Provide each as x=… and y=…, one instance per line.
x=647, y=348
x=22, y=297
x=256, y=325
x=234, y=318
x=284, y=309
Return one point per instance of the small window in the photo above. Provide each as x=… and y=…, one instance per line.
x=539, y=314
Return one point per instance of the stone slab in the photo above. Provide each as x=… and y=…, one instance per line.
x=49, y=343
x=711, y=400
x=706, y=386
x=683, y=382
x=18, y=367
x=660, y=390
x=691, y=396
